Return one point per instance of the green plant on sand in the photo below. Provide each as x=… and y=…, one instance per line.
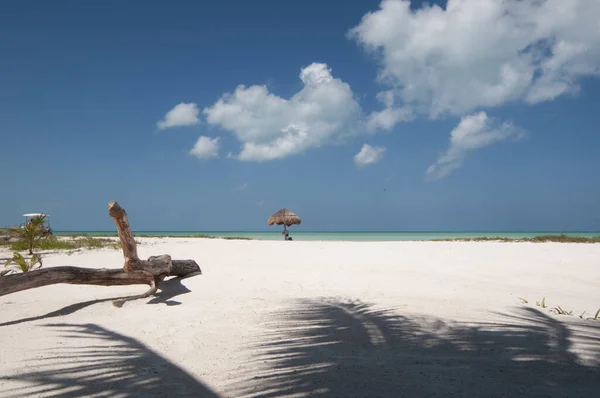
x=68, y=243
x=30, y=233
x=559, y=311
x=562, y=238
x=542, y=303
x=19, y=263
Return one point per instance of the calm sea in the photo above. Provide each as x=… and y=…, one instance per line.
x=341, y=236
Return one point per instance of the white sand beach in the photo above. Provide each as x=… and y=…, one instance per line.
x=336, y=319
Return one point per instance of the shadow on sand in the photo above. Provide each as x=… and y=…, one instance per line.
x=69, y=309
x=169, y=289
x=345, y=349
x=93, y=361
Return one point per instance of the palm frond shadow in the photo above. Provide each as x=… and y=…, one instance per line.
x=93, y=361
x=348, y=349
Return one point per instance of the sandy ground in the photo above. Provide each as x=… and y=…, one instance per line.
x=335, y=319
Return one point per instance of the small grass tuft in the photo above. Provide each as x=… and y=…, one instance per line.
x=559, y=311
x=542, y=303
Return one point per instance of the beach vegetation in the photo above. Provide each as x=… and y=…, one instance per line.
x=31, y=233
x=166, y=235
x=559, y=311
x=67, y=243
x=541, y=303
x=20, y=263
x=565, y=239
x=562, y=238
x=199, y=236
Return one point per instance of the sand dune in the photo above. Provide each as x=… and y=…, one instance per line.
x=339, y=319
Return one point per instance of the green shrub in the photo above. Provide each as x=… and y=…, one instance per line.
x=19, y=263
x=72, y=243
x=537, y=239
x=31, y=233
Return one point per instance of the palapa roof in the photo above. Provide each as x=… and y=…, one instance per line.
x=284, y=216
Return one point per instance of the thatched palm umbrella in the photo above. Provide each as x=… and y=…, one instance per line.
x=284, y=217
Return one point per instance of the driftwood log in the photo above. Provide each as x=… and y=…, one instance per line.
x=134, y=272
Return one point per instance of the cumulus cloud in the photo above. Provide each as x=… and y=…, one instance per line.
x=206, y=148
x=473, y=132
x=391, y=115
x=271, y=127
x=368, y=155
x=387, y=118
x=181, y=115
x=478, y=54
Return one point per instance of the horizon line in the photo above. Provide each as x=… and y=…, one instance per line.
x=350, y=231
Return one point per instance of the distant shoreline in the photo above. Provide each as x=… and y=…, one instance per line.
x=583, y=237
x=275, y=231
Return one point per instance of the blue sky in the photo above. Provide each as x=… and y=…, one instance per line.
x=476, y=115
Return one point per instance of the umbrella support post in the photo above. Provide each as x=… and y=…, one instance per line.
x=284, y=217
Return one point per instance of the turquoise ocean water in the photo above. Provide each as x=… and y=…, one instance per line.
x=340, y=236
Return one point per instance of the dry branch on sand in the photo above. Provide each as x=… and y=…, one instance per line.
x=135, y=271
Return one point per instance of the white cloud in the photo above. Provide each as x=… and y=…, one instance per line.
x=271, y=127
x=368, y=155
x=478, y=54
x=181, y=115
x=387, y=118
x=473, y=132
x=206, y=148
